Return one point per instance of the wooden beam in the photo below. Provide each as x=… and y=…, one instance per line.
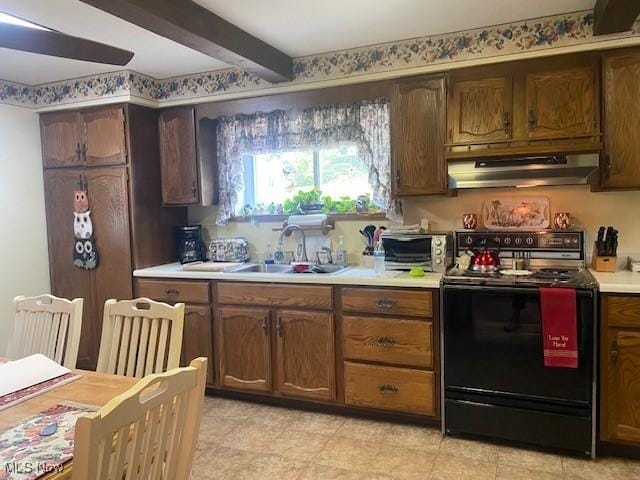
x=190, y=24
x=613, y=16
x=56, y=44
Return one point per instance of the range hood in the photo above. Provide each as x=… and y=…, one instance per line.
x=524, y=171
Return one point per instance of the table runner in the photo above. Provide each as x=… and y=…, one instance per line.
x=33, y=391
x=41, y=444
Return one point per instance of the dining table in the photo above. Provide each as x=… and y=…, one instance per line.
x=92, y=388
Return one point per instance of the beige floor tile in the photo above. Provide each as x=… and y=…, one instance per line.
x=404, y=463
x=213, y=426
x=219, y=462
x=297, y=444
x=472, y=449
x=268, y=467
x=531, y=459
x=607, y=468
x=227, y=408
x=364, y=429
x=349, y=453
x=411, y=436
x=316, y=422
x=517, y=473
x=324, y=472
x=272, y=416
x=251, y=436
x=454, y=467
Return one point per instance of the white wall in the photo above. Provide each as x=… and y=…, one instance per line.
x=24, y=260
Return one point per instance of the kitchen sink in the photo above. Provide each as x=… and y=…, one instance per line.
x=276, y=268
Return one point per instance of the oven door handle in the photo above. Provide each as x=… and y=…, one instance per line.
x=515, y=290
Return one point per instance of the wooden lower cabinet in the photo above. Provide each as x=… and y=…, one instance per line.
x=620, y=370
x=306, y=354
x=197, y=339
x=389, y=388
x=244, y=348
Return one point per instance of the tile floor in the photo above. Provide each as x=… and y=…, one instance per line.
x=242, y=441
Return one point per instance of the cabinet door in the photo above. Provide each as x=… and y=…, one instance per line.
x=178, y=158
x=109, y=204
x=306, y=359
x=622, y=120
x=104, y=136
x=480, y=110
x=67, y=280
x=61, y=135
x=561, y=103
x=418, y=120
x=245, y=348
x=622, y=377
x=197, y=340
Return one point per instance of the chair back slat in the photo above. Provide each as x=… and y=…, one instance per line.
x=48, y=325
x=140, y=337
x=148, y=432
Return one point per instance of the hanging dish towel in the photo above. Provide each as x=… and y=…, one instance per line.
x=559, y=327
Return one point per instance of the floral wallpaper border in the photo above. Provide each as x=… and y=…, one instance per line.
x=507, y=39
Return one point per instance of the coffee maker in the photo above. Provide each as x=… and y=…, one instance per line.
x=189, y=243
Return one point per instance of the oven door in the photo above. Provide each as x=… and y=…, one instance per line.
x=407, y=250
x=493, y=346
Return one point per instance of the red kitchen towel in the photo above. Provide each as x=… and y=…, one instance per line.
x=559, y=327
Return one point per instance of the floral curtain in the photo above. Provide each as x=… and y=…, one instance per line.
x=364, y=123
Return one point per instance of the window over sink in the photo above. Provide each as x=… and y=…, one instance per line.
x=330, y=180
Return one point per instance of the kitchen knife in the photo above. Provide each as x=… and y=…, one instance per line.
x=600, y=241
x=607, y=241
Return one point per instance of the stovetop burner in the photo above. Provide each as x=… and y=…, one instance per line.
x=562, y=275
x=544, y=277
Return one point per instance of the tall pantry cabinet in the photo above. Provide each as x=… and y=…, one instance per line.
x=111, y=152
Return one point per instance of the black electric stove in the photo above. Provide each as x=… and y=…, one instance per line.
x=495, y=381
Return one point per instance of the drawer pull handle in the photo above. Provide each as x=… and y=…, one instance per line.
x=385, y=303
x=172, y=292
x=385, y=341
x=614, y=352
x=386, y=388
x=265, y=325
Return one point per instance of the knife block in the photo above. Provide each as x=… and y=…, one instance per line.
x=603, y=264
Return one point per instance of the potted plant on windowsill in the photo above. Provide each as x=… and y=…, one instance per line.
x=304, y=203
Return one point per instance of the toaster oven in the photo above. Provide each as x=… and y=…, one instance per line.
x=431, y=251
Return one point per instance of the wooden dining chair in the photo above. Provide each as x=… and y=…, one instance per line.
x=48, y=325
x=140, y=337
x=149, y=432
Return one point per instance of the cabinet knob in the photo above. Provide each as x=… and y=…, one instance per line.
x=387, y=388
x=278, y=327
x=398, y=177
x=194, y=188
x=172, y=292
x=607, y=166
x=613, y=353
x=532, y=119
x=385, y=341
x=506, y=122
x=385, y=303
x=265, y=325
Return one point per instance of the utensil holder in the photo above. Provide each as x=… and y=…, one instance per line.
x=602, y=263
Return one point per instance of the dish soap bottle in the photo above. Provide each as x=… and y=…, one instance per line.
x=268, y=255
x=341, y=253
x=378, y=258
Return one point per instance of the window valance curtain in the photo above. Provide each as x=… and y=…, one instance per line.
x=364, y=123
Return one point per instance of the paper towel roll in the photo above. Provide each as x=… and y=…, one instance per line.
x=315, y=220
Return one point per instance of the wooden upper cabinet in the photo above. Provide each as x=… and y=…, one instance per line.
x=61, y=136
x=178, y=156
x=104, y=136
x=306, y=354
x=621, y=415
x=244, y=348
x=480, y=110
x=418, y=125
x=561, y=103
x=621, y=162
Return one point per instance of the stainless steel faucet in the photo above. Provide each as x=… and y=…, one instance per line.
x=286, y=231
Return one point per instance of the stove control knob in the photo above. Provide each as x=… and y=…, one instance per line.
x=507, y=241
x=469, y=240
x=438, y=242
x=438, y=261
x=518, y=240
x=529, y=240
x=438, y=251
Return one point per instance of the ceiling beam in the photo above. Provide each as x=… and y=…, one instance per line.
x=56, y=44
x=190, y=24
x=613, y=16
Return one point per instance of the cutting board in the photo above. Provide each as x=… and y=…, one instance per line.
x=209, y=266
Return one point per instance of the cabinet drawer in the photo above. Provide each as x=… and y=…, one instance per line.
x=387, y=340
x=386, y=301
x=174, y=291
x=275, y=295
x=389, y=388
x=622, y=311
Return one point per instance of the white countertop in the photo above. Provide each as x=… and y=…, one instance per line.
x=622, y=281
x=350, y=276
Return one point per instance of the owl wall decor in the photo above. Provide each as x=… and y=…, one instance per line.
x=85, y=255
